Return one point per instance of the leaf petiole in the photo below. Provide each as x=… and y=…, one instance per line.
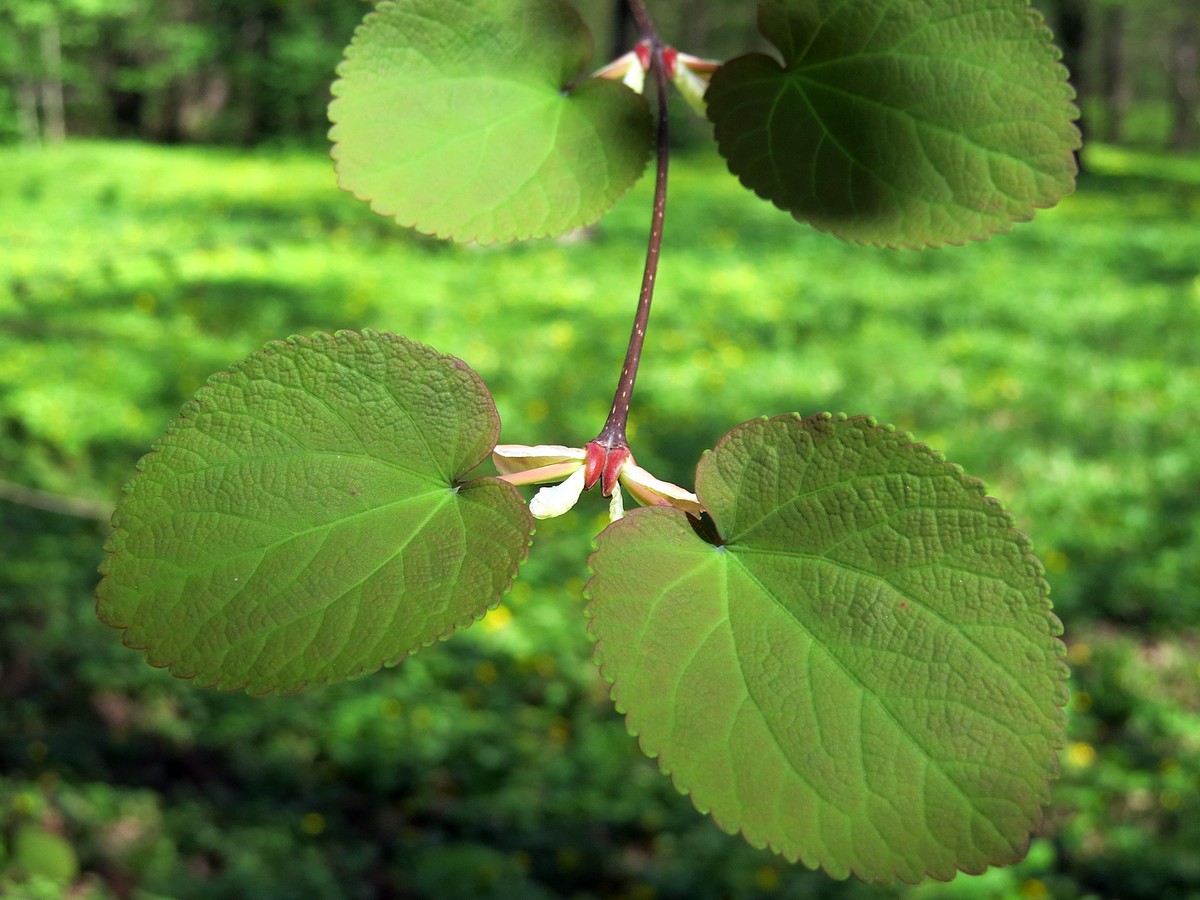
x=613, y=434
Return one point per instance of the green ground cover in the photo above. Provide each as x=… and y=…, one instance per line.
x=1060, y=363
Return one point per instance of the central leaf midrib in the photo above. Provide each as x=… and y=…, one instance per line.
x=802, y=83
x=434, y=478
x=536, y=106
x=321, y=608
x=331, y=524
x=243, y=514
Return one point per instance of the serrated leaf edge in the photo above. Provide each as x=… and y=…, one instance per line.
x=1036, y=570
x=464, y=235
x=112, y=543
x=1054, y=57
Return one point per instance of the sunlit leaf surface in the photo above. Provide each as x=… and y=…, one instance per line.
x=303, y=520
x=858, y=667
x=468, y=119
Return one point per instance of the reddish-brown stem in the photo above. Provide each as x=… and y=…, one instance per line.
x=613, y=434
x=644, y=23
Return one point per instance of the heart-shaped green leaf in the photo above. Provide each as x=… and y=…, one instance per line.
x=465, y=119
x=303, y=520
x=862, y=671
x=906, y=123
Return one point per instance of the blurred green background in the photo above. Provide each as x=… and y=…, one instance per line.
x=191, y=215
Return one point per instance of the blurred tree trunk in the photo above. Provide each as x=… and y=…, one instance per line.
x=28, y=122
x=622, y=20
x=202, y=96
x=1116, y=84
x=54, y=119
x=32, y=62
x=1070, y=33
x=252, y=43
x=1185, y=79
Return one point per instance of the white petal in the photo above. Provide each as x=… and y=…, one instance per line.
x=618, y=67
x=635, y=78
x=554, y=501
x=510, y=458
x=692, y=86
x=616, y=506
x=651, y=491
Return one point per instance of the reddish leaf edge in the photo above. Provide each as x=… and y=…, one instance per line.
x=1037, y=571
x=182, y=420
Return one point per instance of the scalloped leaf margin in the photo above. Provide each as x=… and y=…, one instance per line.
x=304, y=520
x=468, y=119
x=910, y=123
x=861, y=671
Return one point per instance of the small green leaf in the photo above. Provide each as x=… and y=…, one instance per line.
x=465, y=119
x=303, y=520
x=907, y=123
x=861, y=672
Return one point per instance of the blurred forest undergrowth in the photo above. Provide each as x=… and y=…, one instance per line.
x=1059, y=363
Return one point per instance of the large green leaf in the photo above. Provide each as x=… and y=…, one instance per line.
x=304, y=521
x=902, y=123
x=465, y=119
x=861, y=671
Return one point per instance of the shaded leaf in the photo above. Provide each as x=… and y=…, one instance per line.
x=907, y=123
x=303, y=520
x=465, y=119
x=862, y=672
